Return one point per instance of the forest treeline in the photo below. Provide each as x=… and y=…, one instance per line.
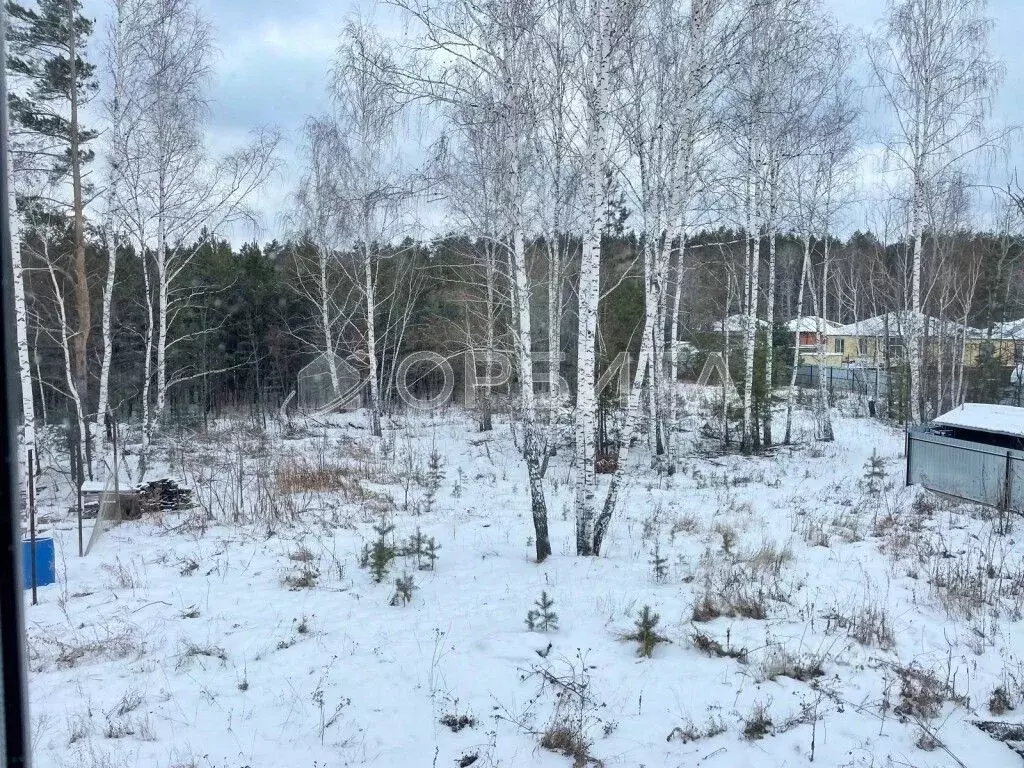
x=248, y=328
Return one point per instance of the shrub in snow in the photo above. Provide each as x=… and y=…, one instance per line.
x=305, y=575
x=923, y=693
x=707, y=644
x=999, y=702
x=757, y=724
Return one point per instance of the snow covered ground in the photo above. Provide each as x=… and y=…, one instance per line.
x=808, y=614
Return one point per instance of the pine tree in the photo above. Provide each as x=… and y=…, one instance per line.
x=435, y=474
x=378, y=556
x=423, y=549
x=430, y=548
x=874, y=474
x=659, y=564
x=44, y=56
x=542, y=618
x=404, y=587
x=646, y=633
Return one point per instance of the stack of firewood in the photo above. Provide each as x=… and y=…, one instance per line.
x=163, y=495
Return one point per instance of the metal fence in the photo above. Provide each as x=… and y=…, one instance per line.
x=870, y=382
x=973, y=471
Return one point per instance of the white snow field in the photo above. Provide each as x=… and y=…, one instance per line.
x=807, y=617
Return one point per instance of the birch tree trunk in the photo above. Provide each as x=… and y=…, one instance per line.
x=162, y=322
x=791, y=396
x=534, y=449
x=822, y=413
x=323, y=252
x=753, y=276
x=914, y=316
x=674, y=394
x=369, y=290
x=769, y=352
x=27, y=432
x=644, y=363
x=147, y=367
x=102, y=403
x=66, y=346
x=589, y=283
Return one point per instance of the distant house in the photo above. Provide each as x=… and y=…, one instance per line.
x=871, y=342
x=713, y=334
x=808, y=341
x=1007, y=340
x=881, y=340
x=735, y=325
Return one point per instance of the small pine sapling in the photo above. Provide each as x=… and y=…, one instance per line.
x=659, y=564
x=404, y=587
x=378, y=556
x=423, y=549
x=435, y=474
x=646, y=632
x=874, y=474
x=414, y=548
x=460, y=481
x=542, y=618
x=430, y=549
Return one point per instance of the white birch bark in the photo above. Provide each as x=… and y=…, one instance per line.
x=27, y=433
x=589, y=283
x=370, y=294
x=753, y=285
x=791, y=394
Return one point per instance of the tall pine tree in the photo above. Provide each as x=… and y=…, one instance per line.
x=51, y=83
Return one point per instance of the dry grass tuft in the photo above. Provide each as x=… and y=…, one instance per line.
x=757, y=724
x=707, y=644
x=568, y=741
x=923, y=693
x=299, y=475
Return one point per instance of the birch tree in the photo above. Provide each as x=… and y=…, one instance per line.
x=820, y=176
x=557, y=168
x=602, y=26
x=778, y=85
x=126, y=36
x=478, y=62
x=322, y=223
x=174, y=196
x=937, y=79
x=372, y=183
x=596, y=32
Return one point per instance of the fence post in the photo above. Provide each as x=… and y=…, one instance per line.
x=907, y=443
x=1008, y=483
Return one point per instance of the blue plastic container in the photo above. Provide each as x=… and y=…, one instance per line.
x=46, y=572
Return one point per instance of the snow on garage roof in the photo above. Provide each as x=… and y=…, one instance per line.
x=996, y=419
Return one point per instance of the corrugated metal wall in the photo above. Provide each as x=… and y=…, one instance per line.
x=964, y=469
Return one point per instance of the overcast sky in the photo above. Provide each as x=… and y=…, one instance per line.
x=273, y=60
